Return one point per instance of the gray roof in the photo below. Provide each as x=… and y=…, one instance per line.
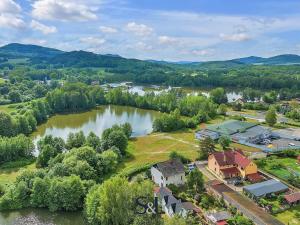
x=252, y=132
x=218, y=216
x=188, y=205
x=174, y=203
x=170, y=167
x=266, y=187
x=163, y=192
x=207, y=133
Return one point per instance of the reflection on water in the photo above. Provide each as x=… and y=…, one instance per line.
x=40, y=217
x=232, y=95
x=97, y=121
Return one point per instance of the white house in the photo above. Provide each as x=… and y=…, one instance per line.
x=172, y=206
x=168, y=172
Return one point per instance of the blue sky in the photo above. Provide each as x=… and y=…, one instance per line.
x=174, y=30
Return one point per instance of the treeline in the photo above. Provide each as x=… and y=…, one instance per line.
x=75, y=97
x=25, y=83
x=65, y=176
x=70, y=98
x=15, y=148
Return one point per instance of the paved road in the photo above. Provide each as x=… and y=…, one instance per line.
x=244, y=204
x=260, y=116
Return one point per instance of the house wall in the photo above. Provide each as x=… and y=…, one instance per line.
x=178, y=179
x=250, y=169
x=213, y=165
x=159, y=179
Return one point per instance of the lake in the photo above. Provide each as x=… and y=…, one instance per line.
x=141, y=90
x=97, y=121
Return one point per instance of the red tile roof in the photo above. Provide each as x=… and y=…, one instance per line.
x=291, y=198
x=223, y=222
x=254, y=177
x=229, y=171
x=231, y=158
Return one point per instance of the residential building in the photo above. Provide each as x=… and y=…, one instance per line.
x=240, y=101
x=172, y=206
x=168, y=172
x=217, y=218
x=232, y=163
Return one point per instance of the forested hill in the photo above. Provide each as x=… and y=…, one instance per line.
x=254, y=72
x=39, y=54
x=29, y=51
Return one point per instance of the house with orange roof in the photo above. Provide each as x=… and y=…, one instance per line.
x=233, y=163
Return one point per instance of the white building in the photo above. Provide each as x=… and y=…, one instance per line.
x=172, y=206
x=168, y=172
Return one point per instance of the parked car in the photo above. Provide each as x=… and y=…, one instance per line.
x=291, y=144
x=191, y=166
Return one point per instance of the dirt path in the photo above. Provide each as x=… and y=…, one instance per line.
x=175, y=139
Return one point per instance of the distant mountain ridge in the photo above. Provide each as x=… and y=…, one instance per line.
x=21, y=50
x=39, y=54
x=285, y=59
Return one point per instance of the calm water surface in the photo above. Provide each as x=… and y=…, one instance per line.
x=60, y=126
x=40, y=217
x=97, y=121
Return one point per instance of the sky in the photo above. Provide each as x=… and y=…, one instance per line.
x=171, y=30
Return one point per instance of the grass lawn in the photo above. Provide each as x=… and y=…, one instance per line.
x=8, y=176
x=2, y=81
x=156, y=147
x=9, y=108
x=289, y=216
x=245, y=148
x=283, y=172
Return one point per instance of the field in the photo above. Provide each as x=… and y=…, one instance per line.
x=282, y=167
x=156, y=147
x=8, y=176
x=289, y=216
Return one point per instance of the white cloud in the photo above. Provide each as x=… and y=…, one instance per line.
x=9, y=6
x=63, y=10
x=139, y=29
x=203, y=52
x=92, y=41
x=238, y=37
x=110, y=30
x=11, y=21
x=33, y=41
x=10, y=15
x=42, y=27
x=143, y=46
x=166, y=40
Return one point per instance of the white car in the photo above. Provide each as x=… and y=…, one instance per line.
x=291, y=144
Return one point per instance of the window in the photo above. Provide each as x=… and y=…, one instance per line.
x=181, y=177
x=166, y=178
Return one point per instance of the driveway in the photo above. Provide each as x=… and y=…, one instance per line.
x=202, y=166
x=233, y=196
